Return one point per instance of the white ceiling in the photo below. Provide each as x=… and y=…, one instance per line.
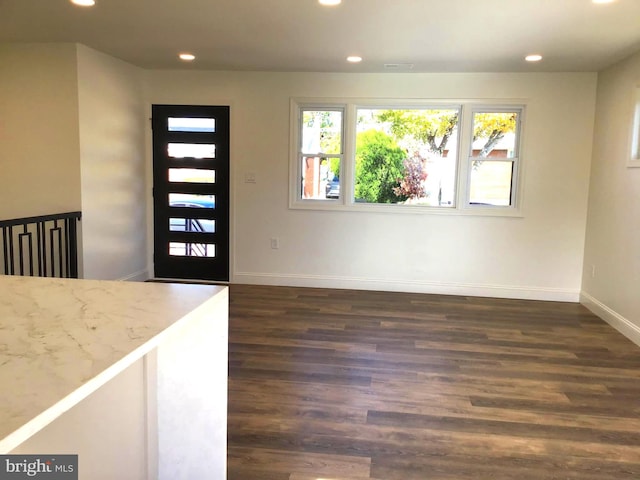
x=300, y=35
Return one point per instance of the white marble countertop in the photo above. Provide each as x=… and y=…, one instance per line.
x=60, y=340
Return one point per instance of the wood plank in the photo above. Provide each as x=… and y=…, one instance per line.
x=354, y=385
x=261, y=463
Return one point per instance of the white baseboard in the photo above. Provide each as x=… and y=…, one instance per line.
x=139, y=276
x=188, y=280
x=613, y=318
x=321, y=281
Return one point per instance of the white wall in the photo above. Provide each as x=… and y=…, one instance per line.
x=613, y=229
x=537, y=256
x=192, y=370
x=67, y=109
x=111, y=119
x=39, y=148
x=107, y=430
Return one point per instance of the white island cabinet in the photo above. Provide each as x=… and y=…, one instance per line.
x=131, y=377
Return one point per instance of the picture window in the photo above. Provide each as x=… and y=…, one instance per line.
x=422, y=156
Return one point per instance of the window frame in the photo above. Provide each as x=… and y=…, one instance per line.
x=299, y=154
x=515, y=160
x=350, y=106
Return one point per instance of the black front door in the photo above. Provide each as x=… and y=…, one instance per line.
x=191, y=191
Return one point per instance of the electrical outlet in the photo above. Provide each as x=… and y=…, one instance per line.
x=275, y=243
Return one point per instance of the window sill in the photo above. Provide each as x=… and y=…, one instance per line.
x=338, y=206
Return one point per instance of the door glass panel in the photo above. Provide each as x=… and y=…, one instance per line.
x=192, y=175
x=177, y=124
x=192, y=150
x=192, y=200
x=180, y=249
x=192, y=225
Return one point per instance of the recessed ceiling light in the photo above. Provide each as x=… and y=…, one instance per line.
x=603, y=1
x=187, y=57
x=533, y=58
x=354, y=59
x=84, y=3
x=329, y=3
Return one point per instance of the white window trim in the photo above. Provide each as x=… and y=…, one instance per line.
x=515, y=199
x=634, y=144
x=346, y=201
x=296, y=154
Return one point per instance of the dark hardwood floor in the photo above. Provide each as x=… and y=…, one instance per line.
x=337, y=384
